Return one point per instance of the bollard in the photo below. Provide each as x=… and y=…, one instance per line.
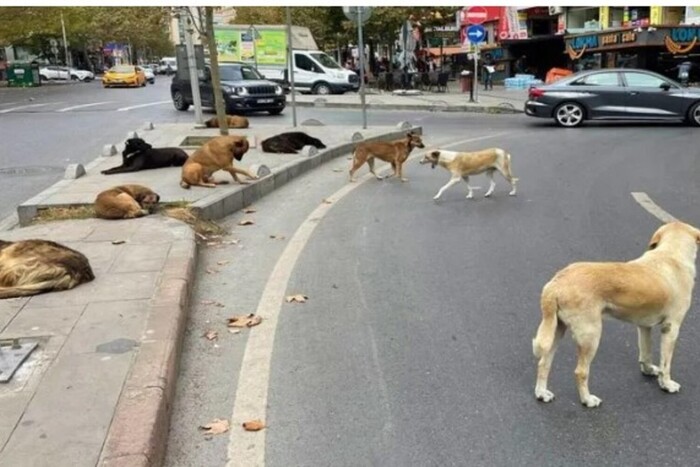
x=312, y=122
x=148, y=126
x=74, y=171
x=404, y=125
x=261, y=170
x=357, y=136
x=309, y=151
x=109, y=150
x=131, y=135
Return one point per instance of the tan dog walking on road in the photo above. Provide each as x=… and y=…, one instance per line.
x=395, y=152
x=216, y=154
x=464, y=164
x=652, y=290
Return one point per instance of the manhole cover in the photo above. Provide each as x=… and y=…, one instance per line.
x=29, y=171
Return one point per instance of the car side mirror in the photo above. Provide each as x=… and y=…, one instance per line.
x=665, y=86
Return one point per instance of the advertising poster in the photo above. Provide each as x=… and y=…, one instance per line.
x=272, y=47
x=228, y=44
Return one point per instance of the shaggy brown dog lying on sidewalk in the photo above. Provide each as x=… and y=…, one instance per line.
x=31, y=267
x=216, y=154
x=233, y=121
x=125, y=202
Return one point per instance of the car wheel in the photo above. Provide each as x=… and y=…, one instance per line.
x=569, y=114
x=43, y=77
x=179, y=101
x=322, y=89
x=275, y=111
x=694, y=115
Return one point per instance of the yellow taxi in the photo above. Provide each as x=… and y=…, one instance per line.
x=124, y=75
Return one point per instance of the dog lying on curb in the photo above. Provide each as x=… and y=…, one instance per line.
x=233, y=121
x=464, y=164
x=654, y=289
x=139, y=155
x=31, y=267
x=290, y=142
x=394, y=152
x=125, y=202
x=216, y=154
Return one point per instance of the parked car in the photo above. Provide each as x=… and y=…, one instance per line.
x=614, y=94
x=244, y=91
x=155, y=67
x=168, y=65
x=124, y=75
x=50, y=72
x=80, y=75
x=150, y=74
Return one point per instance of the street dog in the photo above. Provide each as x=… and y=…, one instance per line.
x=125, y=202
x=139, y=155
x=395, y=152
x=233, y=121
x=216, y=154
x=464, y=164
x=654, y=289
x=290, y=143
x=31, y=267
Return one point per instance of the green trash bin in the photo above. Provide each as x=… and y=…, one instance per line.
x=22, y=75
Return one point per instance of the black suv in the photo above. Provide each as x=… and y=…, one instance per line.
x=244, y=89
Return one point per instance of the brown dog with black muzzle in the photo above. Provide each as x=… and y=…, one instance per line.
x=125, y=202
x=216, y=154
x=653, y=290
x=233, y=121
x=395, y=152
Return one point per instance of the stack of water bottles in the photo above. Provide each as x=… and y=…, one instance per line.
x=521, y=81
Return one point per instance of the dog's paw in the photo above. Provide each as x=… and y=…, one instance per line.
x=649, y=370
x=436, y=197
x=591, y=401
x=470, y=196
x=544, y=395
x=404, y=179
x=512, y=193
x=670, y=386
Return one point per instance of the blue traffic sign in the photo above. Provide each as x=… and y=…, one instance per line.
x=476, y=33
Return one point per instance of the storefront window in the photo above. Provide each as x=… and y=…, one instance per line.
x=583, y=19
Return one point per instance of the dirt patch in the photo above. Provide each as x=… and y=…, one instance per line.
x=204, y=228
x=45, y=215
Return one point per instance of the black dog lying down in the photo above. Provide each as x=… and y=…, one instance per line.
x=290, y=142
x=139, y=155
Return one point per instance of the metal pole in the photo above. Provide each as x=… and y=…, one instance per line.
x=475, y=83
x=290, y=65
x=255, y=48
x=361, y=52
x=192, y=67
x=69, y=62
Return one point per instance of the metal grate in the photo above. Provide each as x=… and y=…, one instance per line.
x=257, y=90
x=12, y=355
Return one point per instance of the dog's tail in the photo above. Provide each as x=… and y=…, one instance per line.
x=544, y=340
x=60, y=283
x=509, y=167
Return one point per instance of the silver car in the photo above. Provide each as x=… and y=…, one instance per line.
x=614, y=94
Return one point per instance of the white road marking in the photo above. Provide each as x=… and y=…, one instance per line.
x=124, y=109
x=653, y=208
x=248, y=448
x=21, y=107
x=8, y=103
x=66, y=109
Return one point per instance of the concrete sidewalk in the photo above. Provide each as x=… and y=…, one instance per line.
x=98, y=388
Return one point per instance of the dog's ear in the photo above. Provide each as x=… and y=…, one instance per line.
x=655, y=239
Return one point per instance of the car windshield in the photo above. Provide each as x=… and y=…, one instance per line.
x=122, y=69
x=325, y=60
x=239, y=73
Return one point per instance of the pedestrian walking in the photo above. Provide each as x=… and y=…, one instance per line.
x=488, y=70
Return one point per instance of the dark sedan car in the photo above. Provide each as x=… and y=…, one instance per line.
x=614, y=94
x=244, y=91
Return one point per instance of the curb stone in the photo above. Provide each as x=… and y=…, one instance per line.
x=418, y=107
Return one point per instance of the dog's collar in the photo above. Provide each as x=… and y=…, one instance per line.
x=433, y=164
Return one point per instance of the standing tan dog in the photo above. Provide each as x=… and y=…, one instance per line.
x=395, y=152
x=216, y=154
x=654, y=289
x=233, y=121
x=31, y=267
x=463, y=164
x=125, y=202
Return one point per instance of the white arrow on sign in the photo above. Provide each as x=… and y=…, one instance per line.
x=477, y=34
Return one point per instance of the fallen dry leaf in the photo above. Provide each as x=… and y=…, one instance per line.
x=337, y=170
x=118, y=242
x=223, y=263
x=212, y=302
x=215, y=427
x=211, y=335
x=250, y=210
x=278, y=237
x=210, y=271
x=246, y=222
x=234, y=331
x=326, y=201
x=244, y=321
x=253, y=425
x=299, y=298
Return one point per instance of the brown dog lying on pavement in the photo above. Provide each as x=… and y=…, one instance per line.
x=395, y=152
x=31, y=267
x=654, y=289
x=125, y=202
x=233, y=121
x=216, y=154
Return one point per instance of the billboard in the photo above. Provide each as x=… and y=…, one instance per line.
x=236, y=45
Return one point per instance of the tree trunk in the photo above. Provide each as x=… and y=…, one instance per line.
x=215, y=79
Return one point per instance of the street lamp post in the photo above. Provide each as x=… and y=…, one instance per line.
x=361, y=52
x=192, y=67
x=69, y=61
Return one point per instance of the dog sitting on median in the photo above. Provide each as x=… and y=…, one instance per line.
x=463, y=164
x=139, y=155
x=233, y=121
x=654, y=289
x=395, y=152
x=290, y=143
x=125, y=202
x=31, y=267
x=216, y=154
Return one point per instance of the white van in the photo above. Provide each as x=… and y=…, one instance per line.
x=164, y=62
x=316, y=72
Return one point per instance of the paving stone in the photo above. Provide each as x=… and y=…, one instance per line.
x=36, y=321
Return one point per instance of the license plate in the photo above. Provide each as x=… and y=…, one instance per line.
x=265, y=101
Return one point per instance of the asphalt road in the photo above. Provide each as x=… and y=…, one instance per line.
x=414, y=348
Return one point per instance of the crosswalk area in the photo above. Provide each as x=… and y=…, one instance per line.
x=70, y=107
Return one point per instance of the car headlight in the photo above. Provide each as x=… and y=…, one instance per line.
x=278, y=90
x=242, y=91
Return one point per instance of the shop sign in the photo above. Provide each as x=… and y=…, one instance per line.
x=685, y=34
x=679, y=36
x=602, y=40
